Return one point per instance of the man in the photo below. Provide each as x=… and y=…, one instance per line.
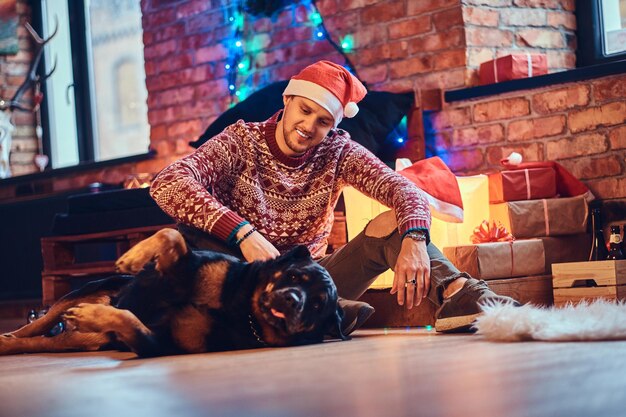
x=275, y=185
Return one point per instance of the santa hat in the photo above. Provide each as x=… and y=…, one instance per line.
x=329, y=85
x=440, y=186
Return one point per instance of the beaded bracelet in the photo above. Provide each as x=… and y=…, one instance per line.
x=245, y=236
x=418, y=235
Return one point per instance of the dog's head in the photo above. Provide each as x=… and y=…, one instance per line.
x=296, y=301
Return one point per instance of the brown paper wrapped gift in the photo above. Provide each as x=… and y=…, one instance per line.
x=561, y=249
x=537, y=218
x=499, y=259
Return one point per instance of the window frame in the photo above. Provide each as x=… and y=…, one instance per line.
x=81, y=89
x=590, y=35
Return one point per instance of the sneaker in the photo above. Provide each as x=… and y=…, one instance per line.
x=355, y=313
x=458, y=313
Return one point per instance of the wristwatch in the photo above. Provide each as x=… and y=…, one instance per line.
x=417, y=235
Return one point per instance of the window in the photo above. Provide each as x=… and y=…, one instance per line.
x=601, y=31
x=613, y=27
x=95, y=107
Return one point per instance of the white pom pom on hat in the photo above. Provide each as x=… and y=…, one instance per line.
x=350, y=110
x=331, y=86
x=514, y=159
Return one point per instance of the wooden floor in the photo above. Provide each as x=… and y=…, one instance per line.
x=401, y=372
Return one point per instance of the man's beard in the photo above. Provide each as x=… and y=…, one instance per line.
x=293, y=144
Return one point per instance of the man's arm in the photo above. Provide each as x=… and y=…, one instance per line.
x=181, y=191
x=368, y=174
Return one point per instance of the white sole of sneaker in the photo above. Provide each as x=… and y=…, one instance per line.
x=452, y=323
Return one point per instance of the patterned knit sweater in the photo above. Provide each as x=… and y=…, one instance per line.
x=289, y=200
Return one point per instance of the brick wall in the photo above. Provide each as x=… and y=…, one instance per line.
x=582, y=125
x=399, y=45
x=13, y=70
x=496, y=28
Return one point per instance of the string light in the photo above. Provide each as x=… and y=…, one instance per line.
x=238, y=64
x=398, y=136
x=346, y=44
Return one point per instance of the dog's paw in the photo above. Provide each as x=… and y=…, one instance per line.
x=7, y=344
x=134, y=260
x=90, y=317
x=164, y=247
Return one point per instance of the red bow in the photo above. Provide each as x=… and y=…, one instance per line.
x=493, y=232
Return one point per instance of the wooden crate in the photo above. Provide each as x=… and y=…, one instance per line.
x=577, y=281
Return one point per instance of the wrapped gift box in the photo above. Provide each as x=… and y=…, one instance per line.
x=577, y=281
x=560, y=249
x=512, y=67
x=475, y=195
x=499, y=259
x=522, y=184
x=360, y=209
x=547, y=217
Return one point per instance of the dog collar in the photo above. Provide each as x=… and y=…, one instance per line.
x=254, y=330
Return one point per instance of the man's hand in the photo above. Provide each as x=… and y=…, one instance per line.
x=413, y=264
x=255, y=247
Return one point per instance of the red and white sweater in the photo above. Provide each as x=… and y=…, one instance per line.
x=289, y=200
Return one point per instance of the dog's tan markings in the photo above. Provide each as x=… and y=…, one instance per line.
x=87, y=317
x=100, y=318
x=65, y=341
x=209, y=285
x=165, y=247
x=268, y=333
x=42, y=325
x=190, y=329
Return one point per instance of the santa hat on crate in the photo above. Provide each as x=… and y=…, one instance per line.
x=439, y=184
x=567, y=185
x=329, y=85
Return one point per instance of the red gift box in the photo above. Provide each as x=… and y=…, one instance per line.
x=522, y=184
x=512, y=67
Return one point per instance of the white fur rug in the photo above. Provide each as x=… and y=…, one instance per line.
x=597, y=320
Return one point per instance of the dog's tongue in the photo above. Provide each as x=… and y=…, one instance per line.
x=277, y=313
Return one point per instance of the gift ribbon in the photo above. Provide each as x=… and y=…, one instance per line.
x=512, y=259
x=546, y=217
x=495, y=70
x=490, y=232
x=527, y=175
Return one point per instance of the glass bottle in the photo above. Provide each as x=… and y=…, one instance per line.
x=615, y=244
x=598, y=247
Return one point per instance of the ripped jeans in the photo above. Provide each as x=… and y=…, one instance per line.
x=355, y=266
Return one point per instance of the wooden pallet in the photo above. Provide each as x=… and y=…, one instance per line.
x=76, y=258
x=69, y=261
x=578, y=281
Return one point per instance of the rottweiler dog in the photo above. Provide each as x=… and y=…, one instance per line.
x=169, y=299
